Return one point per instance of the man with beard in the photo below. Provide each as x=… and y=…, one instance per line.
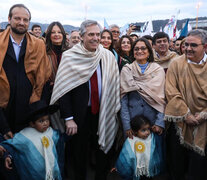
x=24, y=71
x=87, y=88
x=162, y=55
x=186, y=110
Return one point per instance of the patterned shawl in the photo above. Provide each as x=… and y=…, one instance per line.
x=149, y=85
x=140, y=157
x=186, y=90
x=35, y=154
x=76, y=67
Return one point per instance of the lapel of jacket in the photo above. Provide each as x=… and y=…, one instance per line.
x=10, y=50
x=23, y=47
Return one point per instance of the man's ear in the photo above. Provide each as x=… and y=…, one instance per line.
x=9, y=19
x=81, y=38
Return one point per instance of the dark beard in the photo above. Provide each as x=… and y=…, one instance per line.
x=16, y=31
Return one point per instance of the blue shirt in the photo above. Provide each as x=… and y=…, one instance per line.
x=143, y=67
x=17, y=47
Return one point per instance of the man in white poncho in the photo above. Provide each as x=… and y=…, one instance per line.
x=87, y=88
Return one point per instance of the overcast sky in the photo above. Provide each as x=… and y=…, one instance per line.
x=119, y=12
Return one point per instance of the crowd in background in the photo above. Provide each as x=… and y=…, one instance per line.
x=134, y=106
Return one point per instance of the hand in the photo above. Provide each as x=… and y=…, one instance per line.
x=191, y=120
x=113, y=169
x=157, y=129
x=199, y=118
x=8, y=163
x=129, y=133
x=8, y=135
x=131, y=28
x=71, y=127
x=2, y=151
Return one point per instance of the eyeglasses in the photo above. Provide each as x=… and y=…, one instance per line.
x=141, y=48
x=115, y=32
x=192, y=45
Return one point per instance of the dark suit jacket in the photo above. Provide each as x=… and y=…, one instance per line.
x=20, y=90
x=75, y=103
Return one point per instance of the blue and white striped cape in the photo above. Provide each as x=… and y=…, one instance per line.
x=126, y=163
x=34, y=154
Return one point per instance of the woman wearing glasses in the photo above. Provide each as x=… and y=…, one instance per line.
x=142, y=89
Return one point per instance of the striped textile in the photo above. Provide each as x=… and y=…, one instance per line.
x=34, y=154
x=76, y=67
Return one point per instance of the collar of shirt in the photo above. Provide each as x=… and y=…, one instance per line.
x=157, y=54
x=201, y=62
x=14, y=42
x=16, y=47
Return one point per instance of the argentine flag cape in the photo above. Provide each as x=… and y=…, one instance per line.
x=35, y=154
x=140, y=157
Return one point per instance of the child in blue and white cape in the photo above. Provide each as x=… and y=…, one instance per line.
x=35, y=150
x=141, y=156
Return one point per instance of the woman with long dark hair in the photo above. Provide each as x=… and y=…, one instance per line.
x=108, y=42
x=124, y=50
x=55, y=46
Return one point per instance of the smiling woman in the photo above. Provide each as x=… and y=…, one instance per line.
x=55, y=46
x=139, y=88
x=142, y=94
x=124, y=51
x=108, y=42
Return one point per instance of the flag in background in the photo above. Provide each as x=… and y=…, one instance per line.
x=123, y=30
x=160, y=28
x=175, y=35
x=147, y=28
x=106, y=26
x=144, y=27
x=170, y=27
x=184, y=31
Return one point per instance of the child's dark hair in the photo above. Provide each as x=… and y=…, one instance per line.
x=35, y=118
x=138, y=121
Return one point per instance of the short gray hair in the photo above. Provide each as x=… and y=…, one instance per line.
x=87, y=23
x=202, y=34
x=114, y=26
x=73, y=32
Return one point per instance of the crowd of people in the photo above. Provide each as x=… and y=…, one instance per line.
x=136, y=106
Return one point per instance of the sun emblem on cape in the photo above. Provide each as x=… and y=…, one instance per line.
x=139, y=147
x=45, y=141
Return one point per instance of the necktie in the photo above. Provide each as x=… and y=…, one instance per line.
x=94, y=94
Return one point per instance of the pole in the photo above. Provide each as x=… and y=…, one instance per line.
x=86, y=11
x=197, y=7
x=197, y=17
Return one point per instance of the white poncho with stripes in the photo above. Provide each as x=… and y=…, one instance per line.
x=76, y=67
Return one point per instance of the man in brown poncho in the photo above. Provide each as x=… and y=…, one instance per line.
x=162, y=55
x=24, y=70
x=186, y=93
